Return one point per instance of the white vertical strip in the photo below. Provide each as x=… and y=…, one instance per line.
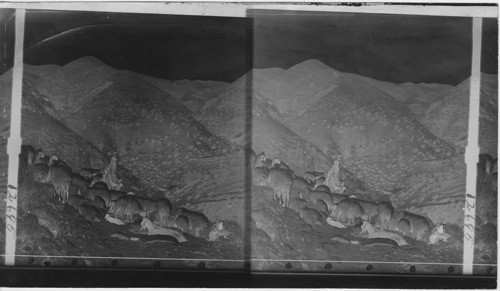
x=14, y=142
x=472, y=150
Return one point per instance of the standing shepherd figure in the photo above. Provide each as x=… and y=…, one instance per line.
x=333, y=179
x=109, y=175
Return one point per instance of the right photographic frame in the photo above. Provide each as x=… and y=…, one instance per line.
x=360, y=133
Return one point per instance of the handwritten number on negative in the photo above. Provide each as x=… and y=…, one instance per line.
x=12, y=195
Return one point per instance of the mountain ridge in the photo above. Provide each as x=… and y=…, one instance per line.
x=307, y=116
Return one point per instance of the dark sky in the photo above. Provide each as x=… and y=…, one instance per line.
x=7, y=39
x=170, y=47
x=393, y=48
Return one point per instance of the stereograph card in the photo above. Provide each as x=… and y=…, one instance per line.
x=250, y=139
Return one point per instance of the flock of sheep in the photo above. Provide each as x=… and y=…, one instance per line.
x=88, y=192
x=317, y=204
x=93, y=197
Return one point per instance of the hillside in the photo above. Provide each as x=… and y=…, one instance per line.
x=196, y=99
x=189, y=146
x=193, y=94
x=41, y=128
x=40, y=71
x=230, y=113
x=40, y=125
x=299, y=87
x=259, y=76
x=187, y=141
x=31, y=75
x=175, y=89
x=437, y=191
x=380, y=140
x=448, y=118
x=153, y=133
x=407, y=92
x=71, y=86
x=375, y=129
x=417, y=97
x=277, y=141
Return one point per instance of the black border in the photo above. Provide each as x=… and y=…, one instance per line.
x=52, y=277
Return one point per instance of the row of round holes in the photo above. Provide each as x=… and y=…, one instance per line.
x=202, y=265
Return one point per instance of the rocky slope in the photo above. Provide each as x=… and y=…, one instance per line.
x=379, y=139
x=153, y=133
x=449, y=118
x=40, y=71
x=41, y=128
x=307, y=116
x=242, y=114
x=296, y=89
x=278, y=141
x=40, y=125
x=71, y=86
x=215, y=186
x=124, y=114
x=386, y=134
x=229, y=114
x=193, y=94
x=437, y=191
x=417, y=97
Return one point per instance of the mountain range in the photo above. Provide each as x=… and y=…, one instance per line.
x=405, y=142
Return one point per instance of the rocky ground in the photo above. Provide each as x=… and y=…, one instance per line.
x=278, y=237
x=70, y=238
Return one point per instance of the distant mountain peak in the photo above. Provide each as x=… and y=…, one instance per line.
x=312, y=65
x=257, y=76
x=72, y=85
x=85, y=60
x=299, y=87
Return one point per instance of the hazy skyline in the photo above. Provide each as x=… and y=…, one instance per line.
x=394, y=48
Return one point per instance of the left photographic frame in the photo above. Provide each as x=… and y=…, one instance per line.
x=7, y=33
x=123, y=162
